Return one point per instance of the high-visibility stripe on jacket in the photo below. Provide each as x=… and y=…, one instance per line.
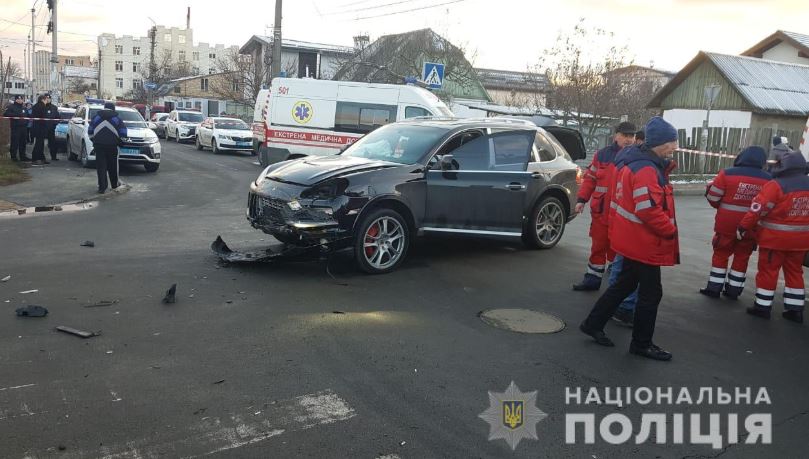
x=106, y=128
x=731, y=193
x=598, y=180
x=779, y=214
x=643, y=226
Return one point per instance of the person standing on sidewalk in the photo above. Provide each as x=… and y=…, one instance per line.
x=731, y=193
x=40, y=129
x=17, y=132
x=644, y=231
x=779, y=215
x=106, y=130
x=596, y=188
x=52, y=112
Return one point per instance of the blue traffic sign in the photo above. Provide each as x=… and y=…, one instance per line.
x=433, y=75
x=151, y=86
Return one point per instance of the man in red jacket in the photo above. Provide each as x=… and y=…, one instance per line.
x=780, y=217
x=731, y=193
x=644, y=232
x=597, y=188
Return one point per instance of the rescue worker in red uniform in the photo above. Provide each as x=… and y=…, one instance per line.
x=779, y=216
x=597, y=188
x=731, y=193
x=644, y=231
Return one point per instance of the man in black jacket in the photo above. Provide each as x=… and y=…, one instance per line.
x=106, y=130
x=18, y=129
x=52, y=112
x=40, y=128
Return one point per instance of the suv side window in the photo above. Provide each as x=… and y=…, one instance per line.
x=512, y=151
x=412, y=112
x=473, y=153
x=543, y=149
x=452, y=145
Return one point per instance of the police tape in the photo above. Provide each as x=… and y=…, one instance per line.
x=705, y=153
x=28, y=118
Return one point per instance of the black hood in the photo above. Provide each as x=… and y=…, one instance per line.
x=791, y=163
x=107, y=114
x=751, y=157
x=314, y=169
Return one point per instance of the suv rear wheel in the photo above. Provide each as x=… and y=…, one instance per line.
x=545, y=227
x=381, y=241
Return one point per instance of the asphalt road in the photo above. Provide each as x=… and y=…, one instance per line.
x=252, y=361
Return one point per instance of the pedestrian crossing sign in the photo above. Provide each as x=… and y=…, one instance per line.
x=433, y=75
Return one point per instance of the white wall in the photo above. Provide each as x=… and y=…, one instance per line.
x=784, y=52
x=687, y=119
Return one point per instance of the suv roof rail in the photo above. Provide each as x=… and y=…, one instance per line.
x=434, y=118
x=498, y=119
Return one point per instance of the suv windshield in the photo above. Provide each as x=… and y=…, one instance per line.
x=231, y=124
x=161, y=117
x=190, y=117
x=131, y=119
x=66, y=115
x=398, y=143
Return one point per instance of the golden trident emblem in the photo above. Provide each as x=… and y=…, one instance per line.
x=512, y=414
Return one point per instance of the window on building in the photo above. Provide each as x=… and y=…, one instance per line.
x=188, y=104
x=19, y=85
x=181, y=55
x=119, y=49
x=92, y=85
x=198, y=105
x=211, y=55
x=195, y=70
x=203, y=84
x=176, y=90
x=8, y=84
x=137, y=83
x=119, y=83
x=167, y=38
x=195, y=55
x=234, y=86
x=181, y=39
x=119, y=66
x=136, y=50
x=69, y=62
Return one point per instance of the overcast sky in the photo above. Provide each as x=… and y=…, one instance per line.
x=502, y=34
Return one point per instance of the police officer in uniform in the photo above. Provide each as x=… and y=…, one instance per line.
x=18, y=131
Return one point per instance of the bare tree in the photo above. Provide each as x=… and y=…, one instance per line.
x=392, y=58
x=8, y=71
x=240, y=78
x=166, y=68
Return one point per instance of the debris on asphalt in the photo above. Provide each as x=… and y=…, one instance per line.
x=62, y=447
x=278, y=251
x=102, y=304
x=402, y=443
x=109, y=352
x=229, y=301
x=81, y=333
x=29, y=291
x=88, y=244
x=191, y=296
x=32, y=310
x=338, y=312
x=5, y=279
x=219, y=382
x=171, y=295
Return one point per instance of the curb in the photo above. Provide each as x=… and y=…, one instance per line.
x=81, y=204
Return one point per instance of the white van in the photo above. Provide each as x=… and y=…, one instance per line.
x=259, y=115
x=320, y=117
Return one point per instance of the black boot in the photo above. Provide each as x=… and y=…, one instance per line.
x=710, y=293
x=652, y=351
x=794, y=315
x=590, y=283
x=759, y=311
x=597, y=335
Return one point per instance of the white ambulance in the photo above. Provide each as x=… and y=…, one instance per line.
x=305, y=116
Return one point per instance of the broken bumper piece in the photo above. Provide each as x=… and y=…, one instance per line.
x=277, y=252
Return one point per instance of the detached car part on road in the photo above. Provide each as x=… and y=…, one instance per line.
x=487, y=177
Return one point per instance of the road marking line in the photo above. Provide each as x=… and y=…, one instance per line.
x=17, y=387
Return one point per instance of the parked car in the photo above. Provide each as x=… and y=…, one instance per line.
x=141, y=146
x=224, y=134
x=305, y=116
x=159, y=120
x=484, y=177
x=60, y=132
x=182, y=125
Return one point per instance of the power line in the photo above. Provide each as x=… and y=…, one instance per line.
x=375, y=7
x=408, y=11
x=17, y=22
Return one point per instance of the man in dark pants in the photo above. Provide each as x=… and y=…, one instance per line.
x=40, y=129
x=52, y=112
x=644, y=232
x=18, y=132
x=106, y=130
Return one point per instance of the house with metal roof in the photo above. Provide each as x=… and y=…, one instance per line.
x=753, y=93
x=782, y=46
x=525, y=90
x=298, y=58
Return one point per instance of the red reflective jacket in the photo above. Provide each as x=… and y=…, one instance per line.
x=731, y=193
x=780, y=214
x=643, y=226
x=598, y=181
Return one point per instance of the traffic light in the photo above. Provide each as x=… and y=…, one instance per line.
x=50, y=26
x=50, y=4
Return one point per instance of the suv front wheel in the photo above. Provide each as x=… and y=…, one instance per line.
x=545, y=227
x=381, y=241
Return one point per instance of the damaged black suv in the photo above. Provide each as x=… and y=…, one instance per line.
x=488, y=177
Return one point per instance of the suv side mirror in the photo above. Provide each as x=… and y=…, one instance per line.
x=446, y=162
x=78, y=120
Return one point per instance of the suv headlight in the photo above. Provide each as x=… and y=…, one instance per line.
x=328, y=190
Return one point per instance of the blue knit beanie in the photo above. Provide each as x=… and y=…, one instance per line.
x=659, y=131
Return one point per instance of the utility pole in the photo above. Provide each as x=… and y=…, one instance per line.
x=152, y=66
x=33, y=56
x=54, y=54
x=276, y=42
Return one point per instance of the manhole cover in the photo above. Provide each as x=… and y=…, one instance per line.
x=522, y=320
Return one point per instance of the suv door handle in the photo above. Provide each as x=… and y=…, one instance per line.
x=514, y=186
